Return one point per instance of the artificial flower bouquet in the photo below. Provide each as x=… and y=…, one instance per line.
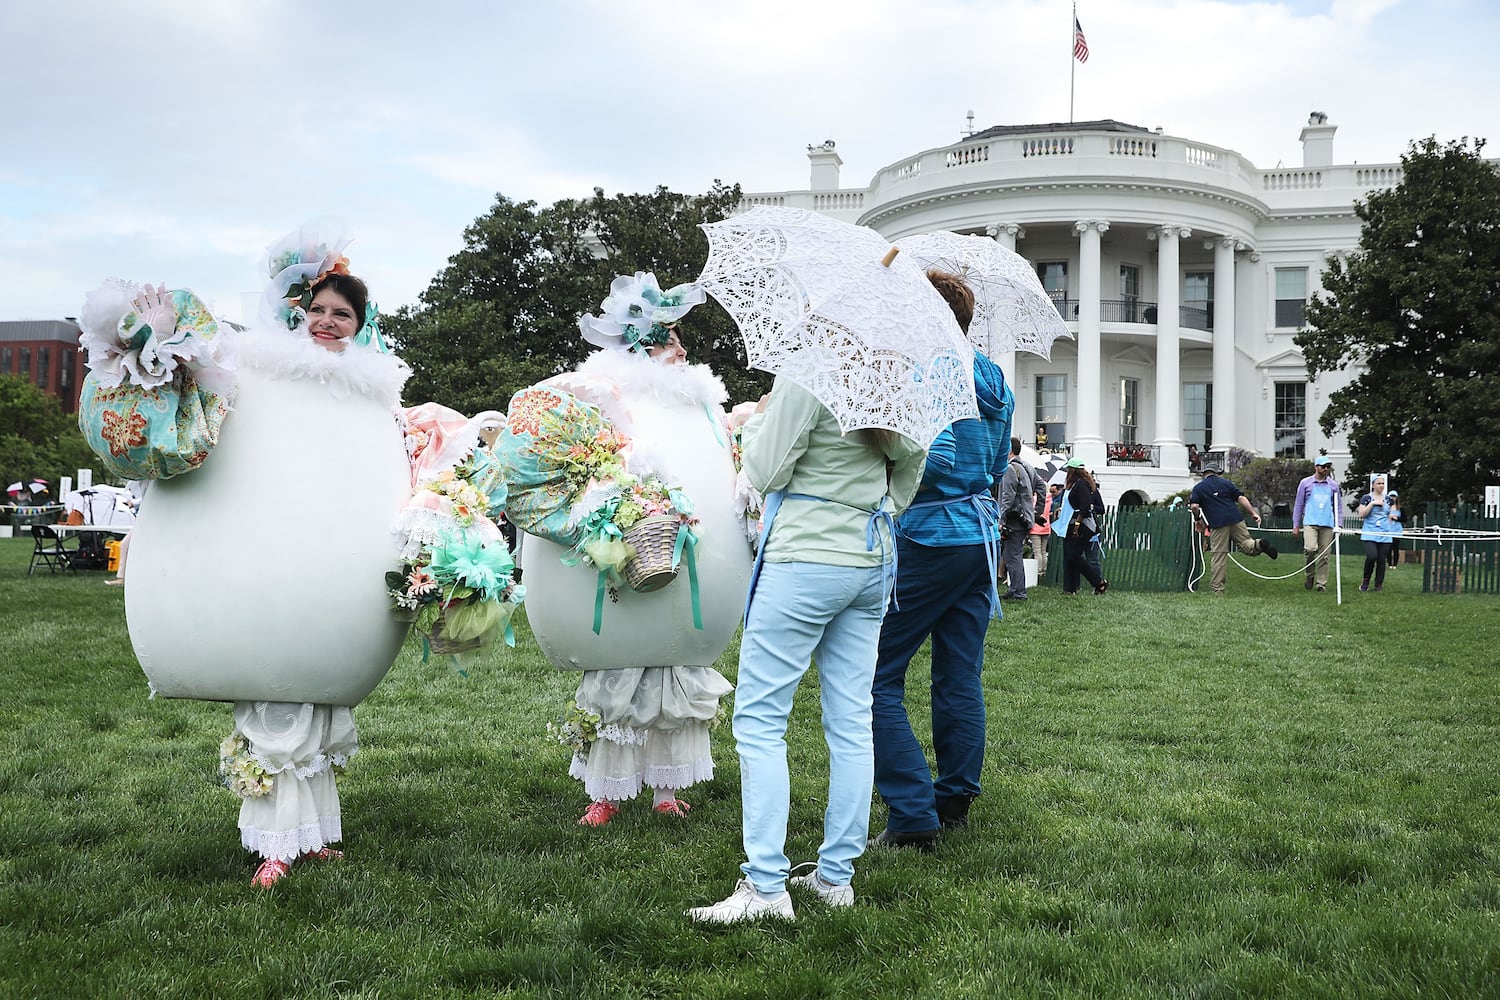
x=576, y=730
x=457, y=578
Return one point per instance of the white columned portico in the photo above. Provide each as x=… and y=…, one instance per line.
x=1006, y=234
x=1224, y=431
x=1088, y=439
x=1168, y=351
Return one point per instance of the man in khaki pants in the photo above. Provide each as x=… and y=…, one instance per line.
x=1317, y=510
x=1219, y=501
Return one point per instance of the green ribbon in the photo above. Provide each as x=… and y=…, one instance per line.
x=599, y=601
x=685, y=545
x=714, y=422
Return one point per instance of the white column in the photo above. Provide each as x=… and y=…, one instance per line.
x=1225, y=433
x=1006, y=234
x=1168, y=357
x=1088, y=438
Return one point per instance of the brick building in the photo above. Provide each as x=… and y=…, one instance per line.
x=45, y=352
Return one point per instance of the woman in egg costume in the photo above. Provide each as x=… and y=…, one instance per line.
x=242, y=587
x=649, y=693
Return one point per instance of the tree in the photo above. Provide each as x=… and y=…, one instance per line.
x=36, y=437
x=504, y=313
x=1418, y=307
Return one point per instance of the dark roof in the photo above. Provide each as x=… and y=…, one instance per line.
x=61, y=330
x=1106, y=125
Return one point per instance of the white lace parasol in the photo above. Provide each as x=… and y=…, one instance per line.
x=1011, y=309
x=873, y=341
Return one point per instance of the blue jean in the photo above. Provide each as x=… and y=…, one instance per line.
x=945, y=593
x=803, y=611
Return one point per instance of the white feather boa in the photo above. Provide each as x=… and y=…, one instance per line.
x=291, y=354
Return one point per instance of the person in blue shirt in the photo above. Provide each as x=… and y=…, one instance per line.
x=1220, y=503
x=1374, y=508
x=1317, y=510
x=1394, y=508
x=946, y=548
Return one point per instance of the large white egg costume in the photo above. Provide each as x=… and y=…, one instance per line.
x=261, y=576
x=258, y=576
x=648, y=670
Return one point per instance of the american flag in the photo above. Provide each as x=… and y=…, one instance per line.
x=1080, y=46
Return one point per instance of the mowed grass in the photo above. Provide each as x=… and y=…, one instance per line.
x=1184, y=796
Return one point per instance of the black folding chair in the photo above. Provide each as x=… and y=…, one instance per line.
x=51, y=550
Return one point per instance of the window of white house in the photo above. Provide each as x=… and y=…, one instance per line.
x=1051, y=411
x=1054, y=278
x=1129, y=415
x=1130, y=295
x=1198, y=300
x=1198, y=414
x=1291, y=295
x=1291, y=419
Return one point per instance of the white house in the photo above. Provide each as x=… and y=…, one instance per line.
x=1182, y=269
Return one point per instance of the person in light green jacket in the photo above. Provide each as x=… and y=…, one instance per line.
x=820, y=589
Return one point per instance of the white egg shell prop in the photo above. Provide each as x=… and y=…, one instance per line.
x=261, y=576
x=655, y=629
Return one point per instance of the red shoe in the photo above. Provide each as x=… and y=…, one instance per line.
x=322, y=854
x=673, y=807
x=599, y=813
x=270, y=872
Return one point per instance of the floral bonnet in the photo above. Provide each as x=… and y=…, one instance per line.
x=637, y=314
x=296, y=263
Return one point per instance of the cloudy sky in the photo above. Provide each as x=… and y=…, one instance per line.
x=174, y=139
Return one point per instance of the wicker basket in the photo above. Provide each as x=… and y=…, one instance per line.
x=442, y=645
x=654, y=539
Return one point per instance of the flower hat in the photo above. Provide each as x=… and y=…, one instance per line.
x=637, y=314
x=296, y=263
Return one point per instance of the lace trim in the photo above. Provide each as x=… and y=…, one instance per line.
x=419, y=527
x=625, y=736
x=286, y=845
x=322, y=762
x=675, y=778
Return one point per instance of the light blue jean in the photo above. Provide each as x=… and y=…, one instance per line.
x=804, y=611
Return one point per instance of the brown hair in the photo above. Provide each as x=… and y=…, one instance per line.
x=957, y=292
x=1076, y=473
x=351, y=288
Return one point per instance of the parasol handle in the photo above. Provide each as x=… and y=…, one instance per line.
x=890, y=255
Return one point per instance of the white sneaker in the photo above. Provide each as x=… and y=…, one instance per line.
x=745, y=903
x=833, y=895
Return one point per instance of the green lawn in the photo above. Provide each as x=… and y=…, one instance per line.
x=1185, y=796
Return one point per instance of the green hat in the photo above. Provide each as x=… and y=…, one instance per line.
x=1075, y=463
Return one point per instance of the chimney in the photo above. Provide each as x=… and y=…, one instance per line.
x=1317, y=141
x=825, y=166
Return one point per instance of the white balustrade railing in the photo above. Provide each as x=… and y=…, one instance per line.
x=967, y=155
x=1292, y=180
x=1047, y=145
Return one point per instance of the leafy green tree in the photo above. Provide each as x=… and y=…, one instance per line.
x=504, y=313
x=1418, y=307
x=1270, y=481
x=36, y=437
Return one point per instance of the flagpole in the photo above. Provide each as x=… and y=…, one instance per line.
x=1072, y=62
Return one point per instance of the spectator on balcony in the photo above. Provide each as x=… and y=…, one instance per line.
x=1317, y=510
x=1195, y=461
x=1219, y=502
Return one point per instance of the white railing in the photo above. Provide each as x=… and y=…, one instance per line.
x=838, y=201
x=750, y=201
x=1201, y=156
x=1132, y=147
x=1047, y=145
x=1375, y=177
x=1292, y=180
x=967, y=155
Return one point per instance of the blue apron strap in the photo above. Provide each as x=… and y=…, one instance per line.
x=989, y=522
x=878, y=517
x=767, y=518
